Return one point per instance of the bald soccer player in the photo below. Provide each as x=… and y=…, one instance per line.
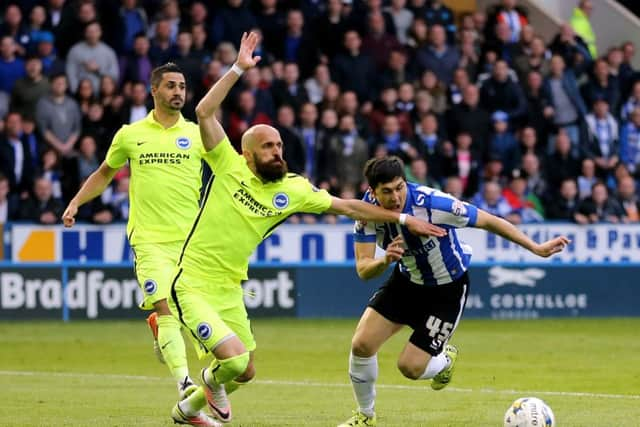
x=251, y=195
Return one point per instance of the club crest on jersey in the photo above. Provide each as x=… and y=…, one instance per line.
x=150, y=286
x=183, y=143
x=458, y=208
x=280, y=201
x=204, y=330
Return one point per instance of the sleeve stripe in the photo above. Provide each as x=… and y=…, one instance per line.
x=472, y=212
x=360, y=238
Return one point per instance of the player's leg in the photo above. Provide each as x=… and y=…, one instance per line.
x=243, y=379
x=154, y=268
x=199, y=308
x=416, y=364
x=172, y=346
x=236, y=317
x=230, y=306
x=427, y=354
x=372, y=331
x=380, y=321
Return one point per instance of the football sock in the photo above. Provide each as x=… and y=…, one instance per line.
x=364, y=373
x=435, y=366
x=233, y=385
x=223, y=371
x=172, y=347
x=194, y=403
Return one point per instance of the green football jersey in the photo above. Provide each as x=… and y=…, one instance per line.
x=239, y=211
x=166, y=177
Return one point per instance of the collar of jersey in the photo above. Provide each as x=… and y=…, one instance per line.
x=410, y=198
x=151, y=120
x=255, y=181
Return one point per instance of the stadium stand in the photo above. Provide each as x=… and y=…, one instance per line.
x=480, y=101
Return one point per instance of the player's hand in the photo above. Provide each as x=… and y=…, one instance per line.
x=248, y=44
x=68, y=217
x=421, y=227
x=394, y=250
x=551, y=247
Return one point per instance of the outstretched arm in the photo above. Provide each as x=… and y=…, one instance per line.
x=357, y=209
x=507, y=230
x=211, y=130
x=93, y=186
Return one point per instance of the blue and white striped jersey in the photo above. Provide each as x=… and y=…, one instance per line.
x=426, y=260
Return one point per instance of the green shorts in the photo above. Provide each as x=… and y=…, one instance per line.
x=154, y=266
x=212, y=309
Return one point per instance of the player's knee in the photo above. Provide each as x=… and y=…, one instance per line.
x=248, y=374
x=162, y=308
x=410, y=370
x=361, y=348
x=235, y=366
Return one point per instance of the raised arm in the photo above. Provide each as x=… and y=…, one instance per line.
x=93, y=186
x=507, y=230
x=357, y=209
x=211, y=130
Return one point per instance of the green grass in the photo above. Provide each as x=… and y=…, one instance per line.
x=105, y=374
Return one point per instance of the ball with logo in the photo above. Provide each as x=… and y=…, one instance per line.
x=529, y=412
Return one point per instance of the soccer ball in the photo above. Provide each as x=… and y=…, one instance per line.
x=529, y=412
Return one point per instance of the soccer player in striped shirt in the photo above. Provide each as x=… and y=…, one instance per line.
x=428, y=287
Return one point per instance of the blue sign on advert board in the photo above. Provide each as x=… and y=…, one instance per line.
x=507, y=291
x=553, y=291
x=500, y=292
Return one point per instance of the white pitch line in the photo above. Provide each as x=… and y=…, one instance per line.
x=333, y=385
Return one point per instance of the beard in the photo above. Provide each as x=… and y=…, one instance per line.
x=176, y=104
x=273, y=170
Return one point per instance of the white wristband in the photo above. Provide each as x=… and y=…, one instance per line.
x=403, y=219
x=237, y=69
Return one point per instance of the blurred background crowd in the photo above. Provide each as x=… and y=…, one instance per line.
x=476, y=104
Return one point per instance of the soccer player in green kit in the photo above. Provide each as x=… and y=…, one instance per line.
x=251, y=195
x=165, y=154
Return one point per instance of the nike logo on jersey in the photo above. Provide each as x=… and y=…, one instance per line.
x=164, y=346
x=142, y=142
x=243, y=183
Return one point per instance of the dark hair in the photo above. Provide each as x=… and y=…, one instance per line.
x=158, y=72
x=381, y=171
x=56, y=76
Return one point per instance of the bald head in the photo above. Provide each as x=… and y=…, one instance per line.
x=257, y=134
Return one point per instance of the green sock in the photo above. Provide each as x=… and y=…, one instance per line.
x=222, y=371
x=233, y=385
x=172, y=347
x=194, y=403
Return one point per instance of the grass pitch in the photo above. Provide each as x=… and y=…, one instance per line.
x=105, y=374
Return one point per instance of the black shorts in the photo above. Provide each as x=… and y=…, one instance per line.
x=433, y=312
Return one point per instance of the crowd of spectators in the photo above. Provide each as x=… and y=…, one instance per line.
x=478, y=105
